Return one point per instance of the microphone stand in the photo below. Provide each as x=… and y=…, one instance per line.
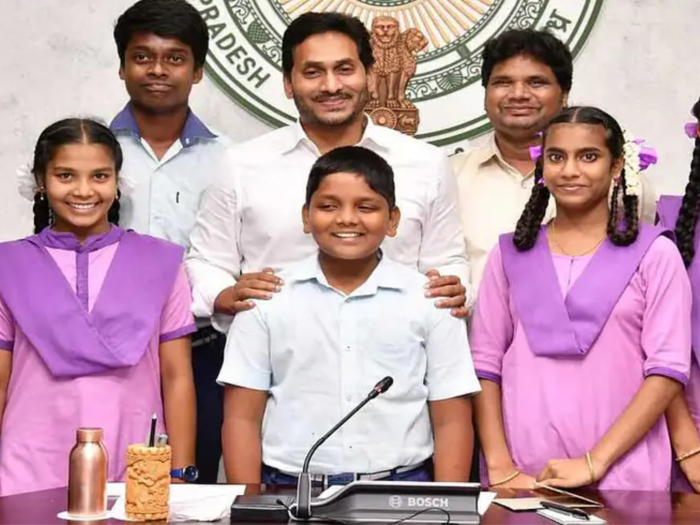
x=303, y=503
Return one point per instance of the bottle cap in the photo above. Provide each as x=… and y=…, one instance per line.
x=89, y=435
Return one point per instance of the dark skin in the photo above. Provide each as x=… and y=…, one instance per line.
x=522, y=95
x=159, y=74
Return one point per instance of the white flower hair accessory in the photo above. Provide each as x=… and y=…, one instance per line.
x=637, y=158
x=26, y=183
x=27, y=187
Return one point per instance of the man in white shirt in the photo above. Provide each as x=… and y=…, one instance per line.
x=249, y=223
x=347, y=317
x=527, y=75
x=170, y=156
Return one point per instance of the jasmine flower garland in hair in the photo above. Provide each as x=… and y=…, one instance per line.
x=637, y=158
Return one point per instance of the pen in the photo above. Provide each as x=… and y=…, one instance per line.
x=565, y=510
x=152, y=433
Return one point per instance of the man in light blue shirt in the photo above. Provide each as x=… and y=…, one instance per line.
x=170, y=157
x=346, y=317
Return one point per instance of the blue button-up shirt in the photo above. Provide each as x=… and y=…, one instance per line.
x=318, y=352
x=166, y=192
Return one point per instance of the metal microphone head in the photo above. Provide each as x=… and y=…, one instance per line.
x=384, y=385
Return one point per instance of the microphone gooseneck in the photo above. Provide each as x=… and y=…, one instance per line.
x=303, y=503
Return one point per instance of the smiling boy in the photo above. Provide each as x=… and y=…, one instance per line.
x=346, y=317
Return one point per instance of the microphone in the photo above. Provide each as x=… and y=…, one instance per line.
x=303, y=503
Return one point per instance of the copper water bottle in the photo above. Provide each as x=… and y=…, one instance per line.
x=87, y=477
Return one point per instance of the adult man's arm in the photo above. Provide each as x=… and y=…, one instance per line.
x=442, y=246
x=213, y=263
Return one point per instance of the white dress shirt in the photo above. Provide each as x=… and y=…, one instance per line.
x=319, y=352
x=250, y=218
x=166, y=192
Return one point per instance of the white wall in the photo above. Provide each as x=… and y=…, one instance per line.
x=59, y=59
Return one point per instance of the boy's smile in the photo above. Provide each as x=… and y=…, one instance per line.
x=348, y=219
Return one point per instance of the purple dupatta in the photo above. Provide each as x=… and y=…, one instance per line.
x=71, y=340
x=556, y=326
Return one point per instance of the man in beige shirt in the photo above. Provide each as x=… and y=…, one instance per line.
x=527, y=75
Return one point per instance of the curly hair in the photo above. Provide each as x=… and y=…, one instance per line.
x=688, y=214
x=623, y=225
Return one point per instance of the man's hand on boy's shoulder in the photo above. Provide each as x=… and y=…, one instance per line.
x=254, y=285
x=450, y=291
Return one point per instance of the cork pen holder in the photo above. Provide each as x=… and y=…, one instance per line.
x=147, y=482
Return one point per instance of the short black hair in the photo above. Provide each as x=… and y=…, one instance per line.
x=168, y=19
x=310, y=24
x=358, y=160
x=540, y=45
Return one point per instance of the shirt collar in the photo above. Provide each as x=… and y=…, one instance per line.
x=193, y=130
x=383, y=276
x=489, y=151
x=372, y=134
x=68, y=241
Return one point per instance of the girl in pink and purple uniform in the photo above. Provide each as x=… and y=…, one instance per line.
x=94, y=321
x=681, y=214
x=581, y=335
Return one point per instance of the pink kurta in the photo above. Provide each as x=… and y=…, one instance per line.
x=668, y=209
x=559, y=407
x=42, y=413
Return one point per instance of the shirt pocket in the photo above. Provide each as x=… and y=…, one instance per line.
x=399, y=355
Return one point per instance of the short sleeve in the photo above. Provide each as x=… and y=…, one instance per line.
x=247, y=360
x=666, y=324
x=492, y=326
x=450, y=371
x=177, y=320
x=7, y=328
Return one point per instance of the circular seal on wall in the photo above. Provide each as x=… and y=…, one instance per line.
x=245, y=51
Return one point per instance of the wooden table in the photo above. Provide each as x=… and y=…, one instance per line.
x=637, y=508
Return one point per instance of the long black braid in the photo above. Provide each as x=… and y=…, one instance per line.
x=622, y=228
x=688, y=214
x=530, y=221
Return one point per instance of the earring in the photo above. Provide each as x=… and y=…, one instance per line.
x=51, y=217
x=41, y=196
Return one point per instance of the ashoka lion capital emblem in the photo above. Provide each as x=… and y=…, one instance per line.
x=395, y=64
x=428, y=55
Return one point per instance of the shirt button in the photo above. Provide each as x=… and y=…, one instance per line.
x=347, y=348
x=348, y=398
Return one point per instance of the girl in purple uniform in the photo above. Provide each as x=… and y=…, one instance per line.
x=681, y=214
x=94, y=321
x=581, y=335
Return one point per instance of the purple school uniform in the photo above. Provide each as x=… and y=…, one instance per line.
x=571, y=339
x=667, y=209
x=83, y=323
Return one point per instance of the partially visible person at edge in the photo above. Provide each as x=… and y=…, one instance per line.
x=527, y=75
x=172, y=156
x=681, y=214
x=581, y=332
x=248, y=225
x=111, y=347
